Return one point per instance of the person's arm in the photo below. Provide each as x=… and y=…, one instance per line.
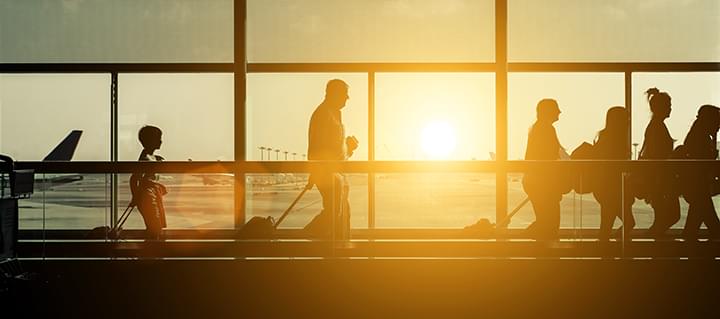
x=135, y=188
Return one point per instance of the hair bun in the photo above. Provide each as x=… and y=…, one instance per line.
x=652, y=91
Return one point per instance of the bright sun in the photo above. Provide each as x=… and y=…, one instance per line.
x=438, y=140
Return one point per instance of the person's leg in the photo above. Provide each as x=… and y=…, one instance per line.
x=554, y=216
x=320, y=225
x=536, y=228
x=709, y=217
x=607, y=219
x=693, y=221
x=149, y=212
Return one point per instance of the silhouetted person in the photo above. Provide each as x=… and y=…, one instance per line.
x=541, y=187
x=701, y=143
x=612, y=144
x=147, y=192
x=658, y=186
x=327, y=142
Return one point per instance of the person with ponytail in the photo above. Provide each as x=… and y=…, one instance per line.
x=612, y=144
x=659, y=186
x=701, y=143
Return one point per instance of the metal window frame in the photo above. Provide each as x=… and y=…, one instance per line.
x=240, y=68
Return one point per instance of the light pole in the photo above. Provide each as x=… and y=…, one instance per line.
x=262, y=153
x=635, y=145
x=268, y=149
x=293, y=154
x=286, y=153
x=304, y=156
x=277, y=154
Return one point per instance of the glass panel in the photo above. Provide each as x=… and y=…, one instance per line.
x=429, y=200
x=688, y=92
x=42, y=109
x=614, y=30
x=421, y=116
x=116, y=31
x=584, y=98
x=272, y=194
x=67, y=201
x=194, y=111
x=192, y=201
x=279, y=107
x=371, y=31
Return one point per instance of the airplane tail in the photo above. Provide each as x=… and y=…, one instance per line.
x=66, y=149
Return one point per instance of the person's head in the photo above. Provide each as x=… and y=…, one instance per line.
x=708, y=118
x=660, y=103
x=150, y=137
x=616, y=118
x=336, y=93
x=548, y=111
x=616, y=123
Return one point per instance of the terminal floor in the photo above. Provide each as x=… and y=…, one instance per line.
x=371, y=288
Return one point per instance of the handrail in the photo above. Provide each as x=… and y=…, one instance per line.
x=367, y=166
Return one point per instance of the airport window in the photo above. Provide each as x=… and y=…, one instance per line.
x=434, y=200
x=583, y=98
x=271, y=194
x=279, y=107
x=43, y=109
x=688, y=91
x=370, y=31
x=613, y=31
x=435, y=116
x=194, y=112
x=107, y=31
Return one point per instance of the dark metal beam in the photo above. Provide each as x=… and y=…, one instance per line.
x=370, y=67
x=116, y=67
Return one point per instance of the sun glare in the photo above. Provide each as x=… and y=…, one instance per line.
x=438, y=140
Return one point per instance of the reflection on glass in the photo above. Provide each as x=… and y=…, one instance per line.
x=116, y=31
x=435, y=116
x=193, y=201
x=272, y=194
x=613, y=30
x=67, y=201
x=428, y=200
x=194, y=112
x=42, y=109
x=279, y=107
x=370, y=31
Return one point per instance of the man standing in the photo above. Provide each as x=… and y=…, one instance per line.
x=327, y=142
x=544, y=188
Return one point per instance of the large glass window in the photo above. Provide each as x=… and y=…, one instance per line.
x=613, y=30
x=194, y=111
x=584, y=99
x=42, y=109
x=196, y=114
x=433, y=200
x=279, y=107
x=116, y=31
x=688, y=91
x=426, y=116
x=370, y=31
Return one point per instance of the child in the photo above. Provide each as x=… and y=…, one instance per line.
x=147, y=192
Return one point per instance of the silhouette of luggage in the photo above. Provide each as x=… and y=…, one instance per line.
x=102, y=232
x=264, y=227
